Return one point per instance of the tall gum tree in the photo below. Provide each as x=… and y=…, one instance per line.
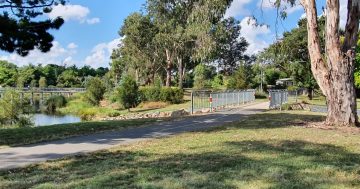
x=334, y=71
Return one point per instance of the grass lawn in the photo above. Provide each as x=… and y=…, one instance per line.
x=271, y=150
x=316, y=100
x=20, y=136
x=77, y=106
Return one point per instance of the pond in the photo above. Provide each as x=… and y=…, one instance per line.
x=44, y=119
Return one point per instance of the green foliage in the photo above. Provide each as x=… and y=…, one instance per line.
x=202, y=74
x=148, y=94
x=68, y=78
x=272, y=75
x=55, y=102
x=261, y=95
x=172, y=95
x=8, y=74
x=42, y=82
x=12, y=109
x=23, y=27
x=95, y=90
x=87, y=114
x=217, y=82
x=238, y=80
x=230, y=47
x=128, y=93
x=165, y=94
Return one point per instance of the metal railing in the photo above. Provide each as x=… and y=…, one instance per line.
x=208, y=101
x=46, y=90
x=278, y=98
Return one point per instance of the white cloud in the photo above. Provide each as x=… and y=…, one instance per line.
x=252, y=31
x=237, y=8
x=57, y=55
x=93, y=20
x=73, y=12
x=72, y=46
x=270, y=5
x=100, y=54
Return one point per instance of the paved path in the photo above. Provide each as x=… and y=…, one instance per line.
x=25, y=155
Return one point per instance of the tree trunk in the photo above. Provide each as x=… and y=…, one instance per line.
x=180, y=72
x=168, y=68
x=310, y=93
x=335, y=72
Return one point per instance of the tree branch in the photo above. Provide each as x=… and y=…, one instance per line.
x=12, y=5
x=352, y=25
x=318, y=65
x=332, y=41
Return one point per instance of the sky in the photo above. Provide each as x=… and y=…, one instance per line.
x=90, y=32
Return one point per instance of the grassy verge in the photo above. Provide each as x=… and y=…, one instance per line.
x=271, y=150
x=20, y=136
x=316, y=100
x=77, y=106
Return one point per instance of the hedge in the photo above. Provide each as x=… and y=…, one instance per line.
x=165, y=94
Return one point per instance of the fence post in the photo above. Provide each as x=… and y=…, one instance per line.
x=211, y=101
x=192, y=102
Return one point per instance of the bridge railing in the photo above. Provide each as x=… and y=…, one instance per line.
x=45, y=90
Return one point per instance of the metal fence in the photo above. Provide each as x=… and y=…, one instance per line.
x=208, y=101
x=278, y=98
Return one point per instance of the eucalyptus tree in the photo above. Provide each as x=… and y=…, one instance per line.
x=185, y=30
x=334, y=69
x=138, y=48
x=230, y=47
x=22, y=27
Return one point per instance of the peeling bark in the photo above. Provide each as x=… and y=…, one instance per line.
x=335, y=73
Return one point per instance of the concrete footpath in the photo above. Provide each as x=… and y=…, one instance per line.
x=21, y=156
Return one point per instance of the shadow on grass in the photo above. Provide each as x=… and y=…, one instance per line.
x=254, y=163
x=269, y=164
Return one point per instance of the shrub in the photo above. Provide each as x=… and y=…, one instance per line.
x=11, y=108
x=172, y=95
x=24, y=121
x=55, y=102
x=147, y=94
x=260, y=95
x=87, y=114
x=95, y=90
x=218, y=82
x=128, y=93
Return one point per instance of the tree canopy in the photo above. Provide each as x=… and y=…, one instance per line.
x=22, y=29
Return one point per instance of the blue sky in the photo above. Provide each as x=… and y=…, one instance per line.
x=91, y=29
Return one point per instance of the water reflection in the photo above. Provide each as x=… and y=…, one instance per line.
x=44, y=119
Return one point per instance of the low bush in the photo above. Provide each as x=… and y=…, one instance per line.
x=166, y=94
x=95, y=90
x=148, y=94
x=128, y=93
x=24, y=121
x=87, y=114
x=261, y=95
x=55, y=102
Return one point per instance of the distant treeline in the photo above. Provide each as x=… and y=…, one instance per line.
x=47, y=75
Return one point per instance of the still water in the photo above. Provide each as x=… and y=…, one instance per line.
x=44, y=119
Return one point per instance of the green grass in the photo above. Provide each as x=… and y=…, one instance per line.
x=20, y=136
x=270, y=150
x=77, y=106
x=319, y=100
